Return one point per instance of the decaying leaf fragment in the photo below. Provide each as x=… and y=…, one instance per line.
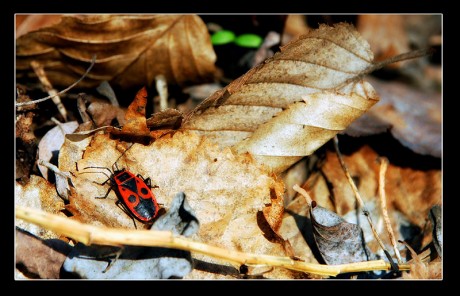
x=290, y=105
x=131, y=50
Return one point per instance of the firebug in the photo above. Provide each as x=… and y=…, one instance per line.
x=133, y=192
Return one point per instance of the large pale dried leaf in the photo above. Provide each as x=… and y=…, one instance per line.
x=239, y=206
x=290, y=105
x=414, y=117
x=131, y=50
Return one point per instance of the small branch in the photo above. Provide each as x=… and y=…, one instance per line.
x=93, y=61
x=40, y=72
x=383, y=205
x=361, y=203
x=89, y=234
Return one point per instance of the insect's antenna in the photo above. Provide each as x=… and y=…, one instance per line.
x=96, y=167
x=115, y=163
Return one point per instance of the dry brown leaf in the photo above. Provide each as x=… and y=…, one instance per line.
x=290, y=105
x=48, y=256
x=26, y=23
x=104, y=113
x=239, y=206
x=386, y=34
x=131, y=50
x=414, y=117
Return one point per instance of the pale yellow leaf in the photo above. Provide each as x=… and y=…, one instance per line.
x=238, y=204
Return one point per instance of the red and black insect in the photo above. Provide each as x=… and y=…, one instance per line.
x=133, y=191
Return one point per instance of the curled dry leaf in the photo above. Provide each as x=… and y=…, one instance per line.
x=290, y=105
x=104, y=113
x=131, y=50
x=338, y=241
x=239, y=206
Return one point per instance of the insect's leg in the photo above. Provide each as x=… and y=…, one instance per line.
x=111, y=262
x=103, y=183
x=107, y=193
x=123, y=207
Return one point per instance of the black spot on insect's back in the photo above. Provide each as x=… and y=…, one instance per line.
x=144, y=191
x=132, y=198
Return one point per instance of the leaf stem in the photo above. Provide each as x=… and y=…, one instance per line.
x=401, y=57
x=90, y=234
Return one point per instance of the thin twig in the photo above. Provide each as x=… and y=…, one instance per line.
x=40, y=72
x=90, y=234
x=383, y=205
x=361, y=203
x=93, y=61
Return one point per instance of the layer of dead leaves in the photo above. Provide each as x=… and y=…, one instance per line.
x=232, y=153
